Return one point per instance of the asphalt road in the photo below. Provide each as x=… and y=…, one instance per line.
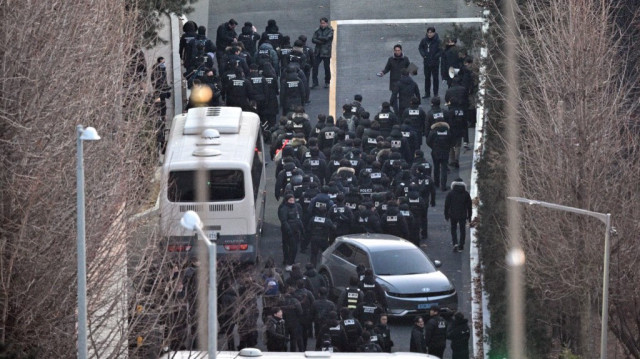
x=362, y=51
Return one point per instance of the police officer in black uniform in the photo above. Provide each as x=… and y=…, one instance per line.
x=290, y=215
x=292, y=92
x=418, y=208
x=435, y=332
x=239, y=91
x=320, y=228
x=440, y=141
x=342, y=216
x=320, y=312
x=352, y=328
x=368, y=309
x=352, y=295
x=369, y=283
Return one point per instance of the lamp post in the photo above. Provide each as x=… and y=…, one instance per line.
x=606, y=218
x=82, y=134
x=191, y=221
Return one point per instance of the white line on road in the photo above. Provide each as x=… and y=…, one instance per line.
x=410, y=21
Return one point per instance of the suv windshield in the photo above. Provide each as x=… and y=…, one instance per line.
x=400, y=262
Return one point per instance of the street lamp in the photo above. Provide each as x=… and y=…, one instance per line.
x=83, y=134
x=191, y=221
x=606, y=218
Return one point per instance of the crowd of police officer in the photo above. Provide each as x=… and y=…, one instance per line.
x=358, y=173
x=367, y=174
x=266, y=73
x=358, y=323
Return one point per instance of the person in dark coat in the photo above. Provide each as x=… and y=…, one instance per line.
x=351, y=296
x=272, y=34
x=315, y=280
x=393, y=222
x=267, y=54
x=417, y=343
x=367, y=346
x=272, y=92
x=430, y=51
x=416, y=115
x=306, y=299
x=320, y=229
x=190, y=31
x=366, y=219
x=457, y=208
x=292, y=314
x=440, y=141
x=456, y=117
x=290, y=215
x=249, y=37
x=323, y=38
x=449, y=58
x=342, y=217
x=394, y=65
x=456, y=94
x=459, y=333
x=276, y=332
x=309, y=56
x=292, y=92
x=384, y=333
x=435, y=114
x=334, y=328
x=225, y=36
x=418, y=207
x=406, y=90
x=369, y=283
x=352, y=328
x=240, y=92
x=368, y=310
x=435, y=333
x=320, y=310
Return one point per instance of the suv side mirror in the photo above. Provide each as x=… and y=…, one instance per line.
x=437, y=263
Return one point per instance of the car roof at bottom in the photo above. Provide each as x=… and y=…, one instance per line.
x=375, y=242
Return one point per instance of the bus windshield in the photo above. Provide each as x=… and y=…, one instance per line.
x=222, y=185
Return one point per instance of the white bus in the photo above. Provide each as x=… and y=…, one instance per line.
x=228, y=144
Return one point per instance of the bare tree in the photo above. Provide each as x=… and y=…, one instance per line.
x=66, y=63
x=578, y=149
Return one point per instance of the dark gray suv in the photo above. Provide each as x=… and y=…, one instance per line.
x=409, y=278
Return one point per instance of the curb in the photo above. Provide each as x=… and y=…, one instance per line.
x=481, y=317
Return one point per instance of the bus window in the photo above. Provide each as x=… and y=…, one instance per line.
x=223, y=185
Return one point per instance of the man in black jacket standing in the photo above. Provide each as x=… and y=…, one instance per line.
x=440, y=141
x=276, y=332
x=395, y=64
x=406, y=90
x=290, y=215
x=323, y=38
x=457, y=208
x=225, y=36
x=459, y=334
x=430, y=51
x=417, y=343
x=435, y=332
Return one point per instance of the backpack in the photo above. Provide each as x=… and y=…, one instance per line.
x=271, y=286
x=304, y=301
x=263, y=57
x=350, y=328
x=195, y=52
